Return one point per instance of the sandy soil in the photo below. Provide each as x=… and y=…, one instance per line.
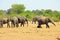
x=31, y=32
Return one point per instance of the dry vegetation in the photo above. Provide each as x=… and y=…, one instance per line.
x=31, y=32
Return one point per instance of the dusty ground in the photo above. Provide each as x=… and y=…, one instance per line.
x=31, y=32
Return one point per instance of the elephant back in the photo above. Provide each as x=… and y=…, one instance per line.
x=14, y=19
x=42, y=17
x=5, y=20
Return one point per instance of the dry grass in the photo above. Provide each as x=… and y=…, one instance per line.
x=31, y=32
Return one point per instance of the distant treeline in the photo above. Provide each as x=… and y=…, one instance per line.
x=20, y=10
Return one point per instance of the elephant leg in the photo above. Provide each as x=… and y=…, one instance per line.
x=8, y=25
x=35, y=22
x=1, y=24
x=39, y=25
x=24, y=23
x=47, y=26
x=12, y=25
x=21, y=24
x=32, y=22
x=17, y=25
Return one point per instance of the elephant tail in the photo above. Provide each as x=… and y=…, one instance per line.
x=27, y=22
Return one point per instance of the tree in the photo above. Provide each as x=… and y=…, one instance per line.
x=28, y=11
x=18, y=8
x=9, y=11
x=48, y=11
x=2, y=13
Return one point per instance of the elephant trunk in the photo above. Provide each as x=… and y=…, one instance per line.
x=53, y=23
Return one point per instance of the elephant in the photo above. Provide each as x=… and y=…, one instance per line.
x=22, y=20
x=14, y=22
x=4, y=21
x=42, y=20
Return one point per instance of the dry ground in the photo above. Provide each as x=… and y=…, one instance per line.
x=31, y=32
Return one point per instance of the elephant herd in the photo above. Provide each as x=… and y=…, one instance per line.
x=15, y=21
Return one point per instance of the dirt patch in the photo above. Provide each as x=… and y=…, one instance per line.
x=31, y=32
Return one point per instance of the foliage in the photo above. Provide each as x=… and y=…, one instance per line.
x=19, y=10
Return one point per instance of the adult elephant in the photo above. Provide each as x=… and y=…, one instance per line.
x=43, y=20
x=14, y=22
x=4, y=21
x=22, y=20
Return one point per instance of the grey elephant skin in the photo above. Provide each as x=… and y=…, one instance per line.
x=42, y=20
x=22, y=20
